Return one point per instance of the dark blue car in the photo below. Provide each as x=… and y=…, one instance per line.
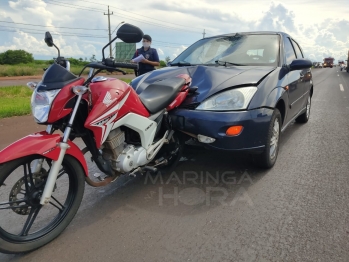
x=246, y=89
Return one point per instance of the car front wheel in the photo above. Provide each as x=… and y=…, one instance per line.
x=268, y=158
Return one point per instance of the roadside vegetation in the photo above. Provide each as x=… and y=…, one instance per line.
x=22, y=63
x=37, y=69
x=15, y=100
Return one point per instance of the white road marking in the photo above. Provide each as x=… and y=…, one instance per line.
x=341, y=87
x=337, y=75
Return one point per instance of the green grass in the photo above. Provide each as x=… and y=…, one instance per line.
x=14, y=101
x=16, y=70
x=125, y=80
x=31, y=69
x=36, y=68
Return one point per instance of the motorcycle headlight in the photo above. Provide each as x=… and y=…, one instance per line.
x=41, y=104
x=234, y=99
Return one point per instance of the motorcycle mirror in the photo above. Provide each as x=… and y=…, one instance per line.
x=129, y=33
x=48, y=39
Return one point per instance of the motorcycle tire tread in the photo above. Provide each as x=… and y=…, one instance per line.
x=15, y=248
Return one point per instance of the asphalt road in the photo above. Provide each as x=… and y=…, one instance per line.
x=217, y=207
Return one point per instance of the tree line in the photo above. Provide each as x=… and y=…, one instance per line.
x=15, y=57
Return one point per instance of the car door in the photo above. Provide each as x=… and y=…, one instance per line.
x=305, y=77
x=294, y=79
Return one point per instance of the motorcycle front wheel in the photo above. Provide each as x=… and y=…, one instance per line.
x=25, y=224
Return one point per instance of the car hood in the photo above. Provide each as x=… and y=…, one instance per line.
x=208, y=79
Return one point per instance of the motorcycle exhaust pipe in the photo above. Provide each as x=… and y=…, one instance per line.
x=101, y=183
x=104, y=182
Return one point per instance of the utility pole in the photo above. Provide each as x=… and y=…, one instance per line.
x=109, y=14
x=203, y=34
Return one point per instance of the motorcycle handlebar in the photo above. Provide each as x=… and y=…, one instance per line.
x=111, y=62
x=125, y=65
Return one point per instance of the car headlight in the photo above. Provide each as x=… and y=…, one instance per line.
x=41, y=104
x=234, y=99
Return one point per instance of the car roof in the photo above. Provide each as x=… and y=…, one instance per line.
x=253, y=33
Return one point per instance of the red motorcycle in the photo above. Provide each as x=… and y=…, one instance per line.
x=42, y=176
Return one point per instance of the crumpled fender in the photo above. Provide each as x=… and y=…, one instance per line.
x=41, y=143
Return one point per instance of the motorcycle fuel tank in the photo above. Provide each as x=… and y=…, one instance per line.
x=111, y=100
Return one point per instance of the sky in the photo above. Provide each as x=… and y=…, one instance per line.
x=80, y=28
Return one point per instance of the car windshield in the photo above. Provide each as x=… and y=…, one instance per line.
x=236, y=50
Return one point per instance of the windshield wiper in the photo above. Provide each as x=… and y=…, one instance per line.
x=181, y=64
x=224, y=63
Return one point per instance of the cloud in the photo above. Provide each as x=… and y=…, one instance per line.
x=329, y=38
x=198, y=11
x=277, y=18
x=36, y=10
x=326, y=37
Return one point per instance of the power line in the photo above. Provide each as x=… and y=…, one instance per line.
x=172, y=45
x=67, y=34
x=13, y=31
x=37, y=30
x=150, y=23
x=136, y=14
x=121, y=15
x=51, y=26
x=65, y=4
x=98, y=36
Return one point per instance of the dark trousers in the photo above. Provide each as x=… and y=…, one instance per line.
x=144, y=71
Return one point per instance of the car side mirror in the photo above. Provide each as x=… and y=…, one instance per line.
x=299, y=64
x=48, y=39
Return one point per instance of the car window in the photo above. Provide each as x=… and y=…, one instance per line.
x=240, y=49
x=298, y=51
x=290, y=54
x=207, y=52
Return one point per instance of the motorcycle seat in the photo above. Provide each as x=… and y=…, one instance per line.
x=159, y=95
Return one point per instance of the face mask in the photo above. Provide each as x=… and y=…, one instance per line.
x=146, y=45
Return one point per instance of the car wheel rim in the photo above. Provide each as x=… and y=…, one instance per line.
x=274, y=141
x=308, y=107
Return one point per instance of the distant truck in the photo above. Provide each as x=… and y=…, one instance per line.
x=328, y=62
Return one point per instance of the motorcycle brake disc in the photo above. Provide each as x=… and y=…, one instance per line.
x=18, y=192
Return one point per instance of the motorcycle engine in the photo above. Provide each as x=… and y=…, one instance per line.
x=124, y=158
x=113, y=146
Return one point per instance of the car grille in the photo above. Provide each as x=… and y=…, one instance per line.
x=189, y=106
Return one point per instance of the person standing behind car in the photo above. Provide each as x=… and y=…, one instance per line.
x=151, y=57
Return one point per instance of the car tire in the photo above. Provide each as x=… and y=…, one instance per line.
x=303, y=118
x=268, y=158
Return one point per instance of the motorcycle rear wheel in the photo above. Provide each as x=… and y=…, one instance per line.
x=20, y=192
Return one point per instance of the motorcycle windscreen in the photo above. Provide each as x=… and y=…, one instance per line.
x=55, y=77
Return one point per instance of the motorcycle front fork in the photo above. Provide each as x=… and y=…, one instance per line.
x=56, y=165
x=37, y=163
